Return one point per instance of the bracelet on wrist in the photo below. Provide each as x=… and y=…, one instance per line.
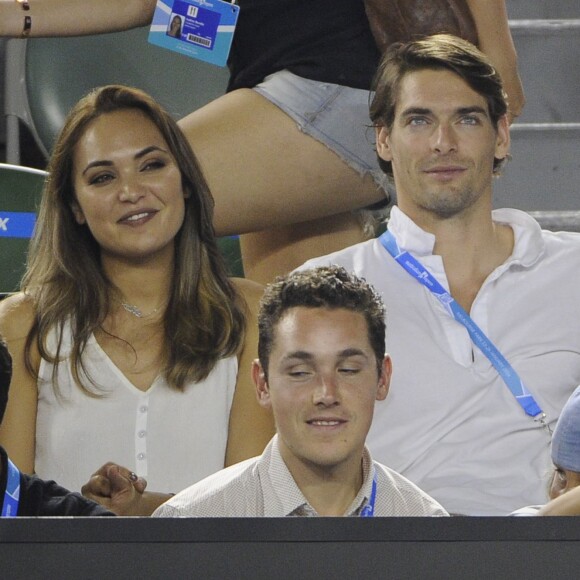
x=27, y=24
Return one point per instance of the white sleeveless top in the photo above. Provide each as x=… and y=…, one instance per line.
x=172, y=438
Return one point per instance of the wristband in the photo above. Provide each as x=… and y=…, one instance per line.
x=27, y=25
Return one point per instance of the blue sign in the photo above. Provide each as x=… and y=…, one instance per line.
x=14, y=224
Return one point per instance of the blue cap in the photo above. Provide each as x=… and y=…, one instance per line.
x=566, y=438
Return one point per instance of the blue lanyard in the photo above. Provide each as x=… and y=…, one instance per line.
x=503, y=367
x=369, y=510
x=12, y=493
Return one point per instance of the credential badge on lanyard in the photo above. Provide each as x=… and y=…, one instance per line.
x=512, y=380
x=201, y=29
x=369, y=510
x=12, y=492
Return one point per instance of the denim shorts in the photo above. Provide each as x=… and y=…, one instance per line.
x=335, y=115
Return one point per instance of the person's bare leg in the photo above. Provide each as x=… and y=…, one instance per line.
x=276, y=251
x=264, y=172
x=269, y=178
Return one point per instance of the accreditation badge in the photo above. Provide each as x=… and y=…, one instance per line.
x=202, y=29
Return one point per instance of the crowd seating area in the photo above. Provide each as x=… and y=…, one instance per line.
x=43, y=78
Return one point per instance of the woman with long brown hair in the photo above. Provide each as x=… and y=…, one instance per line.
x=130, y=343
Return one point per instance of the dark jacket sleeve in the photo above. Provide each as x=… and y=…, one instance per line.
x=47, y=498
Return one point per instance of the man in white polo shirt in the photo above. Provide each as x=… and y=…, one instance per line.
x=452, y=424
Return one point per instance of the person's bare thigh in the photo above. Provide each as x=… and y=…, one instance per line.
x=264, y=172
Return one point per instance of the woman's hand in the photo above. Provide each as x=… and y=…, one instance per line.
x=122, y=491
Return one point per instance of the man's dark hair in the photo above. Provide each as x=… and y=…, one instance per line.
x=325, y=287
x=438, y=52
x=5, y=375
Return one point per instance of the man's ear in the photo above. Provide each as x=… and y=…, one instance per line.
x=382, y=143
x=502, y=143
x=78, y=213
x=385, y=378
x=262, y=389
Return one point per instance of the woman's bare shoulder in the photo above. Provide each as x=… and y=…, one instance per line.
x=16, y=315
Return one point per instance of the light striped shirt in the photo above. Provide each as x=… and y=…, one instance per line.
x=263, y=486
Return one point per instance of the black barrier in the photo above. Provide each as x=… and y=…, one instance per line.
x=298, y=548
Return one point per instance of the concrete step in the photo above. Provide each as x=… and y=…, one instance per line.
x=545, y=168
x=526, y=9
x=558, y=220
x=548, y=52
